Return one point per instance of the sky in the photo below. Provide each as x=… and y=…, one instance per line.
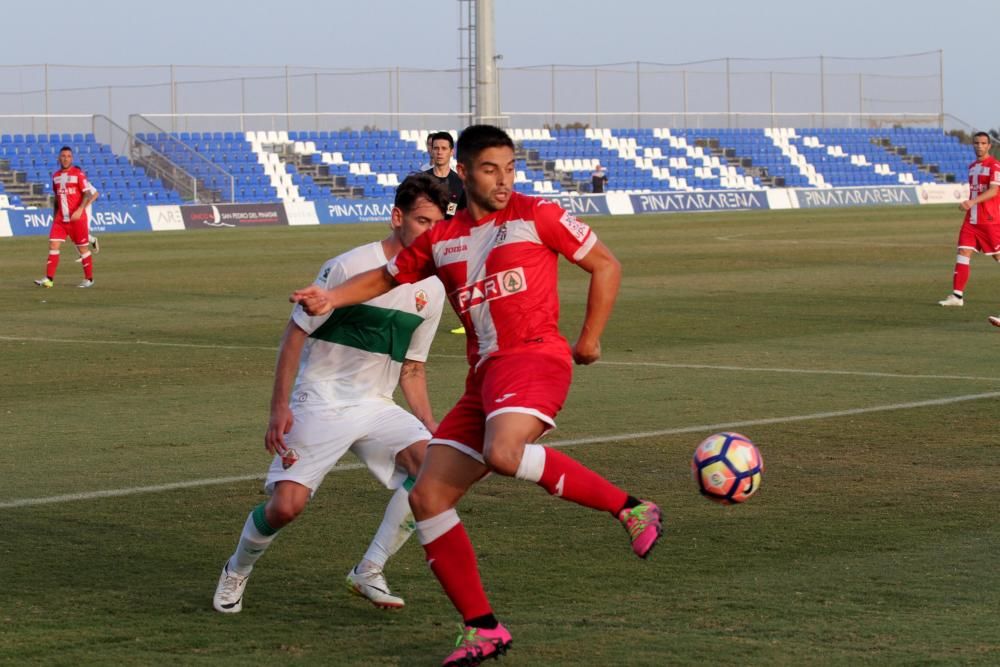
x=390, y=33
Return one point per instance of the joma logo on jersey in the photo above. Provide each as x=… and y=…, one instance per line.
x=455, y=248
x=492, y=287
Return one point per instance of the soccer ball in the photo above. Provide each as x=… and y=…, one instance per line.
x=727, y=467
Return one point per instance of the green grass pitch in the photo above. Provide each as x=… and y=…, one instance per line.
x=873, y=539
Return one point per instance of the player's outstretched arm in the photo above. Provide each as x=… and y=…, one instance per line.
x=280, y=421
x=362, y=287
x=605, y=278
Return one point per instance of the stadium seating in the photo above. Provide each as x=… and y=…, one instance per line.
x=750, y=159
x=117, y=179
x=224, y=162
x=277, y=165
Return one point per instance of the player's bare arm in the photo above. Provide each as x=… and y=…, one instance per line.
x=281, y=420
x=413, y=384
x=362, y=287
x=88, y=199
x=605, y=278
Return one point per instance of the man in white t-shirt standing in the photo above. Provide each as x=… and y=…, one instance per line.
x=345, y=366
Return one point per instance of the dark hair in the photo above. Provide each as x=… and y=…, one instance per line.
x=477, y=138
x=420, y=185
x=65, y=148
x=445, y=136
x=983, y=134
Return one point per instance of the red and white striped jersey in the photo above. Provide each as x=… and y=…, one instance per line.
x=982, y=175
x=500, y=273
x=69, y=186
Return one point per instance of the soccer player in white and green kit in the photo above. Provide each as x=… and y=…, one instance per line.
x=345, y=366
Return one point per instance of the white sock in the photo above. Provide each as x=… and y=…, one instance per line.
x=532, y=463
x=396, y=527
x=251, y=546
x=431, y=529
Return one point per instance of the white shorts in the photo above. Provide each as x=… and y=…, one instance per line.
x=375, y=433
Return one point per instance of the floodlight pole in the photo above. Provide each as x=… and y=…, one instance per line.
x=487, y=100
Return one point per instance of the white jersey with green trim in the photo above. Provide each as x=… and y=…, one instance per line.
x=354, y=354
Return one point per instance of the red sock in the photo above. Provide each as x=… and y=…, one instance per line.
x=88, y=265
x=570, y=479
x=961, y=277
x=52, y=264
x=453, y=562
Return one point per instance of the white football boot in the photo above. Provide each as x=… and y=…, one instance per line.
x=373, y=586
x=952, y=300
x=995, y=320
x=229, y=592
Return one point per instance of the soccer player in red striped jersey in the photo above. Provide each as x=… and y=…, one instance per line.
x=73, y=194
x=498, y=261
x=981, y=228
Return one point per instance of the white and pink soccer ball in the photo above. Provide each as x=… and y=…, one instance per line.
x=727, y=467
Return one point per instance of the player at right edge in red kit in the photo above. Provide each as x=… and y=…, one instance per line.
x=980, y=230
x=498, y=261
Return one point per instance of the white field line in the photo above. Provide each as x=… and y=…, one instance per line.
x=600, y=439
x=803, y=371
x=156, y=488
x=26, y=339
x=649, y=364
x=741, y=238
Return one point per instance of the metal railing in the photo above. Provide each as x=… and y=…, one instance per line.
x=138, y=124
x=912, y=82
x=719, y=119
x=24, y=123
x=328, y=121
x=142, y=153
x=241, y=122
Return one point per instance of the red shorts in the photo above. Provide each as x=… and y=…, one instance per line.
x=75, y=230
x=534, y=384
x=981, y=238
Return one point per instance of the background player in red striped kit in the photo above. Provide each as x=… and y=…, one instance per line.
x=73, y=194
x=498, y=261
x=981, y=228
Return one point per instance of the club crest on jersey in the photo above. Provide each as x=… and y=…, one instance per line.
x=420, y=299
x=578, y=229
x=491, y=287
x=501, y=234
